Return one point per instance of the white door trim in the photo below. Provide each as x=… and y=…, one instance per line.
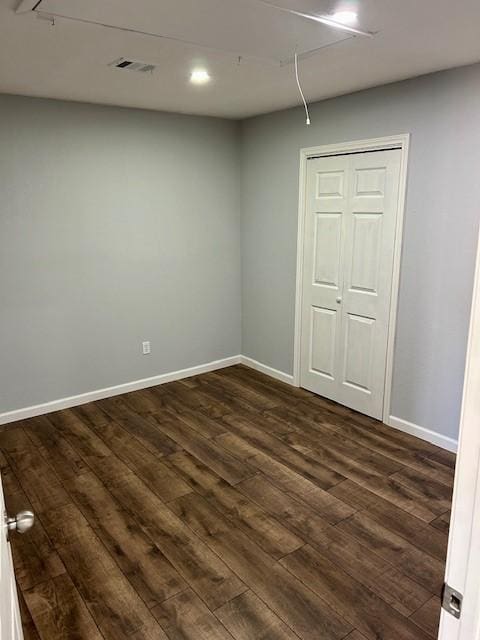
x=401, y=142
x=463, y=558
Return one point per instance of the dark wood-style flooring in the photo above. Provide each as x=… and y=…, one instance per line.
x=226, y=506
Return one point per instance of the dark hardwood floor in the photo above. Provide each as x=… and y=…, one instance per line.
x=226, y=506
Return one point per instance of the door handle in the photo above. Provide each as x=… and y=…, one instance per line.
x=339, y=300
x=22, y=522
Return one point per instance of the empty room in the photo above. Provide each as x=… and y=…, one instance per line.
x=239, y=320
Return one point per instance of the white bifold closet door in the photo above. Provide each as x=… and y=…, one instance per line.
x=351, y=210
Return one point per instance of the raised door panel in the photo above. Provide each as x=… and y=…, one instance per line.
x=330, y=184
x=366, y=253
x=358, y=353
x=327, y=247
x=322, y=344
x=370, y=182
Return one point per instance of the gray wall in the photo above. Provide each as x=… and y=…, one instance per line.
x=116, y=226
x=442, y=112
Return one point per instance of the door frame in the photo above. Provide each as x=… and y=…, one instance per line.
x=463, y=557
x=399, y=141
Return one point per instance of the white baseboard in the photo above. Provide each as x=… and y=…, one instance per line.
x=425, y=434
x=73, y=401
x=99, y=394
x=269, y=371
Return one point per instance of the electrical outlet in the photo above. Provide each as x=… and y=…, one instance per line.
x=146, y=347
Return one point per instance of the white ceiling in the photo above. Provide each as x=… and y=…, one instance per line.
x=70, y=60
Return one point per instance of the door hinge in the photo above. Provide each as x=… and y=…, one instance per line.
x=452, y=601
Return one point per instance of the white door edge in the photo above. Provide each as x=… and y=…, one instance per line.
x=402, y=142
x=463, y=558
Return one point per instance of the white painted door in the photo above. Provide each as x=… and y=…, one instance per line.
x=10, y=621
x=463, y=559
x=351, y=210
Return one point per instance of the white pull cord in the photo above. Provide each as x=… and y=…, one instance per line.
x=300, y=89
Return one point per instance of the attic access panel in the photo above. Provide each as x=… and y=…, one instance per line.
x=244, y=27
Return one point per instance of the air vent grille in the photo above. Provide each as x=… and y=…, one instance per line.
x=133, y=65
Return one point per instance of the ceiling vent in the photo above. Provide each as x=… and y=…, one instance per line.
x=132, y=65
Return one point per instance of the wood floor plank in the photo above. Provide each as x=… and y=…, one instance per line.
x=282, y=395
x=395, y=519
x=238, y=446
x=408, y=499
x=139, y=558
x=291, y=600
x=333, y=510
x=91, y=415
x=188, y=382
x=355, y=635
x=141, y=402
x=175, y=395
x=422, y=448
x=293, y=483
x=447, y=458
x=289, y=510
x=432, y=490
x=380, y=443
x=419, y=566
x=210, y=453
x=348, y=598
x=255, y=397
x=109, y=437
x=352, y=466
x=147, y=404
x=69, y=425
x=347, y=450
x=193, y=560
x=201, y=516
x=275, y=448
x=428, y=616
x=92, y=449
x=294, y=393
x=50, y=441
x=416, y=564
x=382, y=440
x=362, y=563
x=115, y=606
x=153, y=439
x=34, y=556
x=248, y=618
x=37, y=478
x=28, y=626
x=185, y=617
x=267, y=532
x=166, y=484
x=442, y=523
x=59, y=612
x=3, y=461
x=202, y=424
x=213, y=389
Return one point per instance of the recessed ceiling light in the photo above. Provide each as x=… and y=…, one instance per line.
x=345, y=17
x=200, y=76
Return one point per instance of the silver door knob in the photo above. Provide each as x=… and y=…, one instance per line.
x=339, y=299
x=22, y=522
